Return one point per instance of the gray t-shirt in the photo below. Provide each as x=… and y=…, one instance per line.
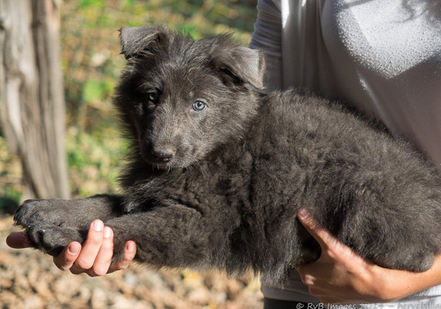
x=381, y=56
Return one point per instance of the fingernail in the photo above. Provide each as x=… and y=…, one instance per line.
x=303, y=213
x=98, y=225
x=74, y=249
x=130, y=247
x=107, y=232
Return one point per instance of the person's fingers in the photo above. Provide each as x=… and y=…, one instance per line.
x=18, y=240
x=129, y=255
x=94, y=258
x=90, y=249
x=104, y=257
x=67, y=257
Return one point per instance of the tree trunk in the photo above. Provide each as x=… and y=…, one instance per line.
x=32, y=97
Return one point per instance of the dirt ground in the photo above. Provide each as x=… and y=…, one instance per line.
x=29, y=280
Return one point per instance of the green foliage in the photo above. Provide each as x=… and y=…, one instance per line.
x=91, y=3
x=10, y=193
x=97, y=90
x=10, y=181
x=94, y=161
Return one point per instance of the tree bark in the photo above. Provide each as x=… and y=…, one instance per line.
x=32, y=96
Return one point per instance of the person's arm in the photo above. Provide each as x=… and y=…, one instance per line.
x=341, y=276
x=94, y=258
x=267, y=37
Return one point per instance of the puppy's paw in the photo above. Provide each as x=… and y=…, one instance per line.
x=53, y=239
x=39, y=212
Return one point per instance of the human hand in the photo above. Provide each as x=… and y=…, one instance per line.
x=94, y=258
x=341, y=276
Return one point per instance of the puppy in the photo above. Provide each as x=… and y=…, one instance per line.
x=218, y=171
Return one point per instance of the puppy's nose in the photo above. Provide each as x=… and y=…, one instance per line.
x=163, y=155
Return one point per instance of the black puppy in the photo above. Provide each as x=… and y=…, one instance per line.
x=218, y=172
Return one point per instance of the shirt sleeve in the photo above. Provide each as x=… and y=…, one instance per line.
x=267, y=36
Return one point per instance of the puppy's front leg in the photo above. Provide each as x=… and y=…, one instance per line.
x=54, y=223
x=173, y=236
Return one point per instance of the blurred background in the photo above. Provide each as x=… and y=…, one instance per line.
x=84, y=34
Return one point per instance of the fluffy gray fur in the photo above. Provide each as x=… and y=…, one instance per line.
x=218, y=172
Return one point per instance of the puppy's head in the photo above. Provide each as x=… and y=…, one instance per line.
x=181, y=99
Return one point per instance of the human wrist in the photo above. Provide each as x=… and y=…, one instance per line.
x=393, y=285
x=383, y=285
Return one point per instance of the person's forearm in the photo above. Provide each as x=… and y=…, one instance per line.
x=397, y=284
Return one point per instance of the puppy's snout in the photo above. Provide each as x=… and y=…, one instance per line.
x=163, y=154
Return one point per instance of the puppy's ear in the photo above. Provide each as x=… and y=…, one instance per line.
x=241, y=65
x=145, y=40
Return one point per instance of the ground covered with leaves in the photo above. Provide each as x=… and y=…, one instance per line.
x=29, y=280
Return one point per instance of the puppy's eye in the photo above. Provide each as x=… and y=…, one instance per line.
x=153, y=97
x=198, y=105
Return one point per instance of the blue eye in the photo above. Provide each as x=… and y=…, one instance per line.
x=153, y=97
x=198, y=105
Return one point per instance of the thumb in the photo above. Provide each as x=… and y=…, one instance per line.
x=18, y=240
x=320, y=234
